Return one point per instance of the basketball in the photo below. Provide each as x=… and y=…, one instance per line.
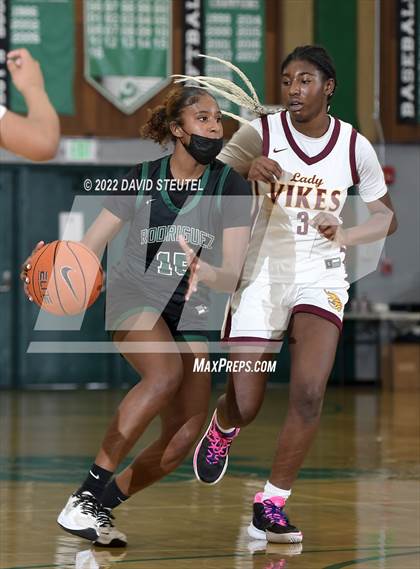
x=65, y=278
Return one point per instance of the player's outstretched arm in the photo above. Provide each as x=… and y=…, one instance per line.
x=103, y=229
x=244, y=146
x=37, y=135
x=372, y=189
x=243, y=153
x=381, y=223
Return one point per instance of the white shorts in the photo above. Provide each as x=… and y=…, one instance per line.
x=262, y=311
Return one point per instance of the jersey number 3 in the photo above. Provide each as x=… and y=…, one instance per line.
x=303, y=217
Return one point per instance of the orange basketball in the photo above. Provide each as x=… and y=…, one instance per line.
x=65, y=278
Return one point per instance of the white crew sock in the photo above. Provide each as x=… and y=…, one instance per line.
x=227, y=431
x=270, y=491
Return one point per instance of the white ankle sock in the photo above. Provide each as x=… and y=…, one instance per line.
x=270, y=490
x=222, y=429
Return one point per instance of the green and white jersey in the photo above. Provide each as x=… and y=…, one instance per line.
x=165, y=208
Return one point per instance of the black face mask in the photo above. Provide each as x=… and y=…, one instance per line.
x=203, y=149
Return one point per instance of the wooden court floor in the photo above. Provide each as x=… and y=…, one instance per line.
x=357, y=500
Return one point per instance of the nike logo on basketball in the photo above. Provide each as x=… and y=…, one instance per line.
x=279, y=149
x=65, y=274
x=94, y=475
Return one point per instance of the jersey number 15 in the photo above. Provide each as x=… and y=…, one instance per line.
x=170, y=263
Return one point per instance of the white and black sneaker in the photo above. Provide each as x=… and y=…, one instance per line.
x=271, y=523
x=79, y=516
x=108, y=535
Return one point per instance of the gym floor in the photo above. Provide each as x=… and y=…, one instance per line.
x=357, y=500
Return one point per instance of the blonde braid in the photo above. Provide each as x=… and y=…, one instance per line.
x=229, y=90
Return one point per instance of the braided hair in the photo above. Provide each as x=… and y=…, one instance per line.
x=228, y=89
x=314, y=54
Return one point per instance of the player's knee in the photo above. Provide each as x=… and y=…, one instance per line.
x=307, y=402
x=182, y=432
x=184, y=442
x=179, y=446
x=163, y=386
x=173, y=456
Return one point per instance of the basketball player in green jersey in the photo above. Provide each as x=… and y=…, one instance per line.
x=146, y=301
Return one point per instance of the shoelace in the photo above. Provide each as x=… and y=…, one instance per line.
x=218, y=447
x=104, y=518
x=274, y=513
x=88, y=504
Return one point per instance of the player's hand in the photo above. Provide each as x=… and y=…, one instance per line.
x=264, y=169
x=26, y=266
x=199, y=270
x=25, y=70
x=193, y=263
x=329, y=226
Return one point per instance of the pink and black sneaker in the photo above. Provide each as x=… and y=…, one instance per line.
x=271, y=523
x=211, y=454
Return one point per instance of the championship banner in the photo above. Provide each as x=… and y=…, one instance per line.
x=233, y=30
x=128, y=49
x=193, y=43
x=46, y=29
x=408, y=61
x=4, y=48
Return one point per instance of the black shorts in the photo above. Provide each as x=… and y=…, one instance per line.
x=187, y=321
